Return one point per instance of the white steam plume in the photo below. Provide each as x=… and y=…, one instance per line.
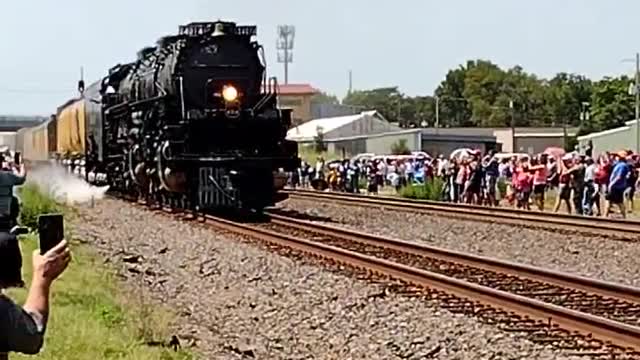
x=63, y=186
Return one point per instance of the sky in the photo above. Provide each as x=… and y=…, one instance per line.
x=406, y=43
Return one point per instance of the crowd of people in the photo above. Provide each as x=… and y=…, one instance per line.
x=579, y=183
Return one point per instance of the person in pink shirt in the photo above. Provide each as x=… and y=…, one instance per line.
x=522, y=180
x=539, y=169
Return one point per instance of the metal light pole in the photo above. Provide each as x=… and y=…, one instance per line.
x=634, y=89
x=284, y=45
x=637, y=88
x=437, y=98
x=513, y=127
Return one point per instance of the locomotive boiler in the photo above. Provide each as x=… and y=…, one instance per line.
x=193, y=120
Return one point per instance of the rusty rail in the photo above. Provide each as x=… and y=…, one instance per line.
x=602, y=288
x=606, y=227
x=548, y=323
x=619, y=334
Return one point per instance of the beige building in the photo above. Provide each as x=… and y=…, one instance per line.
x=530, y=140
x=298, y=98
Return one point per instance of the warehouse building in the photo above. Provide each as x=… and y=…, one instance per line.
x=624, y=137
x=10, y=123
x=531, y=140
x=370, y=132
x=413, y=139
x=364, y=123
x=297, y=97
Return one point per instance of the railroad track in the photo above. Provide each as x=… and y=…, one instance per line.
x=583, y=316
x=586, y=316
x=606, y=227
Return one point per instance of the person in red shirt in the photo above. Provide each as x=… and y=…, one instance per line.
x=564, y=189
x=601, y=181
x=522, y=181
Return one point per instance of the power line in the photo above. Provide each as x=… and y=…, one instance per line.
x=34, y=91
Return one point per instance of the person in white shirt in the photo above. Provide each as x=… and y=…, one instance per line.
x=590, y=191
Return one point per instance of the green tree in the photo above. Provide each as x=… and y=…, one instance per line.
x=388, y=101
x=324, y=98
x=479, y=93
x=454, y=109
x=400, y=148
x=318, y=140
x=611, y=104
x=566, y=96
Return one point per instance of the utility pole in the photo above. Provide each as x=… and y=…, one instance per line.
x=513, y=127
x=637, y=92
x=284, y=44
x=437, y=113
x=350, y=82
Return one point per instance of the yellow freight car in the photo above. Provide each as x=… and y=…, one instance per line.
x=20, y=140
x=70, y=128
x=39, y=141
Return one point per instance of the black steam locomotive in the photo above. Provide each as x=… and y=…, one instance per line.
x=194, y=120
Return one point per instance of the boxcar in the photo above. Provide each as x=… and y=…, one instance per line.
x=26, y=136
x=40, y=141
x=70, y=128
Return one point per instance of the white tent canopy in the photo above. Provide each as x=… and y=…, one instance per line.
x=367, y=122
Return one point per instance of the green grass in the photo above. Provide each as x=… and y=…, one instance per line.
x=33, y=203
x=91, y=316
x=430, y=190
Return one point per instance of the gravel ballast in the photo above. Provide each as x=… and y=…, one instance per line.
x=591, y=256
x=237, y=299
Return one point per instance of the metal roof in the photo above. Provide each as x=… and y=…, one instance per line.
x=307, y=131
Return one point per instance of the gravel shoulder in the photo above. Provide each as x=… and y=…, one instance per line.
x=236, y=300
x=590, y=256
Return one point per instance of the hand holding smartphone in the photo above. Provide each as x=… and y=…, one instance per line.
x=51, y=231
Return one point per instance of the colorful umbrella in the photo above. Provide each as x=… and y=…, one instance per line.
x=554, y=151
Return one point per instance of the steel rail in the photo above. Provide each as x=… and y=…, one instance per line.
x=602, y=226
x=595, y=286
x=622, y=335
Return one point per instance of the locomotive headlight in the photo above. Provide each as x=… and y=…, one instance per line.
x=229, y=93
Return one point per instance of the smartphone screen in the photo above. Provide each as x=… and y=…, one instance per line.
x=16, y=157
x=51, y=231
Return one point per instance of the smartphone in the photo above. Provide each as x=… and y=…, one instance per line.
x=51, y=231
x=16, y=157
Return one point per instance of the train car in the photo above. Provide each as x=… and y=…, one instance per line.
x=36, y=143
x=40, y=143
x=193, y=120
x=52, y=132
x=19, y=144
x=26, y=135
x=70, y=128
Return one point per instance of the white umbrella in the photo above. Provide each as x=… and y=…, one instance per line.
x=461, y=153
